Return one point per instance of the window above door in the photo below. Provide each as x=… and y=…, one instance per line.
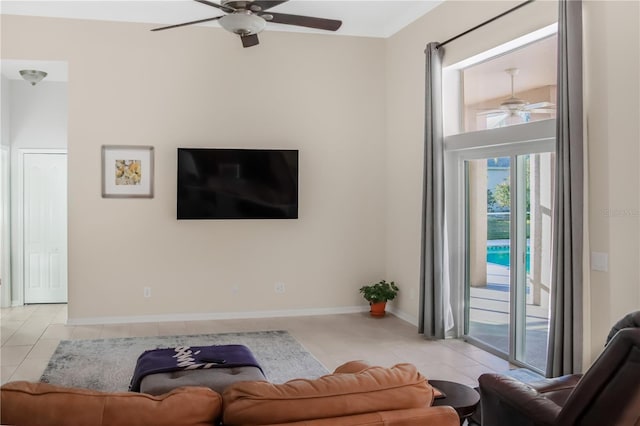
x=514, y=88
x=511, y=84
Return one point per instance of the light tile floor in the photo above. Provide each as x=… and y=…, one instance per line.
x=30, y=335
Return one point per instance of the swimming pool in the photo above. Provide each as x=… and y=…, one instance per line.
x=501, y=255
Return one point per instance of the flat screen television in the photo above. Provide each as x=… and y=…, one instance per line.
x=237, y=183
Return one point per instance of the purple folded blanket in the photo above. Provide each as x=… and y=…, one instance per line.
x=190, y=358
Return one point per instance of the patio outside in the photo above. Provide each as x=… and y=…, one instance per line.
x=489, y=318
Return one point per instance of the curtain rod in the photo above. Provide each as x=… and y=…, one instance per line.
x=485, y=23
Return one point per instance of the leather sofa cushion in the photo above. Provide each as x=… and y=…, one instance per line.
x=343, y=394
x=428, y=416
x=42, y=404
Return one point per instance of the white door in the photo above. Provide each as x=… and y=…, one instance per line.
x=45, y=228
x=5, y=229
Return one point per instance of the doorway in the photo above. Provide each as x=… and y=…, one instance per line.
x=509, y=215
x=36, y=123
x=42, y=224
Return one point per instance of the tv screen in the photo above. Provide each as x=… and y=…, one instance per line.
x=237, y=183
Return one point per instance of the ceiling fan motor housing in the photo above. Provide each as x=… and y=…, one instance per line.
x=513, y=104
x=241, y=5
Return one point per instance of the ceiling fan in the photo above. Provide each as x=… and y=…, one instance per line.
x=513, y=106
x=247, y=18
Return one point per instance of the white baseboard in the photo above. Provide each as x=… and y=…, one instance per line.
x=403, y=316
x=216, y=316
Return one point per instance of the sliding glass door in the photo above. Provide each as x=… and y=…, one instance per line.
x=499, y=165
x=508, y=237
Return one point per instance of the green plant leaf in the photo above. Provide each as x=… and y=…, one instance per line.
x=381, y=291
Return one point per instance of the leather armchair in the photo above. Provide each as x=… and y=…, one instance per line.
x=629, y=321
x=607, y=394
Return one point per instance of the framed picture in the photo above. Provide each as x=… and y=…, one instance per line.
x=127, y=171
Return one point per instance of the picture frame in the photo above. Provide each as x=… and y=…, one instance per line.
x=127, y=171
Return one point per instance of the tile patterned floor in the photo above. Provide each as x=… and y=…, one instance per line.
x=30, y=335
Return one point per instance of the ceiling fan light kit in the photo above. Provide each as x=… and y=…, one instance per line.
x=244, y=23
x=247, y=18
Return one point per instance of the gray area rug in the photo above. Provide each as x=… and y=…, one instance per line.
x=108, y=364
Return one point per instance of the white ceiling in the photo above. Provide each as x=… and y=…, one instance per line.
x=368, y=18
x=536, y=64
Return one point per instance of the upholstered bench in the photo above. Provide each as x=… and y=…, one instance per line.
x=159, y=371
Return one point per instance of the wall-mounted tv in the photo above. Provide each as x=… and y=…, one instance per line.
x=237, y=183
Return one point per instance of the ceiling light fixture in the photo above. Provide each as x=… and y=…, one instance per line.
x=33, y=76
x=243, y=23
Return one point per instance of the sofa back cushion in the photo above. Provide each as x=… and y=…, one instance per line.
x=370, y=390
x=355, y=366
x=42, y=404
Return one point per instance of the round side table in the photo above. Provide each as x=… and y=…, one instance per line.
x=464, y=399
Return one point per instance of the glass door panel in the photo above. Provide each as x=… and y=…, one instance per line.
x=537, y=216
x=508, y=210
x=488, y=242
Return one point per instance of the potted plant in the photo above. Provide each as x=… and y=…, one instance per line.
x=378, y=294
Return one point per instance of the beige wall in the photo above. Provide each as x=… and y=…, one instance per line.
x=612, y=94
x=325, y=96
x=612, y=63
x=405, y=62
x=198, y=87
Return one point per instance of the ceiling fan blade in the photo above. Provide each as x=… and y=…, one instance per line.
x=260, y=5
x=249, y=40
x=540, y=105
x=495, y=120
x=216, y=5
x=491, y=112
x=199, y=21
x=304, y=21
x=542, y=111
x=502, y=115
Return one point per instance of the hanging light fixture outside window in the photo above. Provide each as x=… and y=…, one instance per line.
x=33, y=76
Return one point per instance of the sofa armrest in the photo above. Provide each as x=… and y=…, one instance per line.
x=557, y=383
x=427, y=416
x=506, y=401
x=557, y=389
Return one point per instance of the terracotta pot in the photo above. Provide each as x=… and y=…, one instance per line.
x=377, y=309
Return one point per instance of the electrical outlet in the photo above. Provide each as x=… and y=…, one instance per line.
x=147, y=292
x=279, y=287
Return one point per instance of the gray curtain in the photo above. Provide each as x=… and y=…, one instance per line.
x=433, y=276
x=565, y=330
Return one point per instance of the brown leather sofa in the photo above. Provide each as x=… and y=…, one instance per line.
x=355, y=394
x=607, y=395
